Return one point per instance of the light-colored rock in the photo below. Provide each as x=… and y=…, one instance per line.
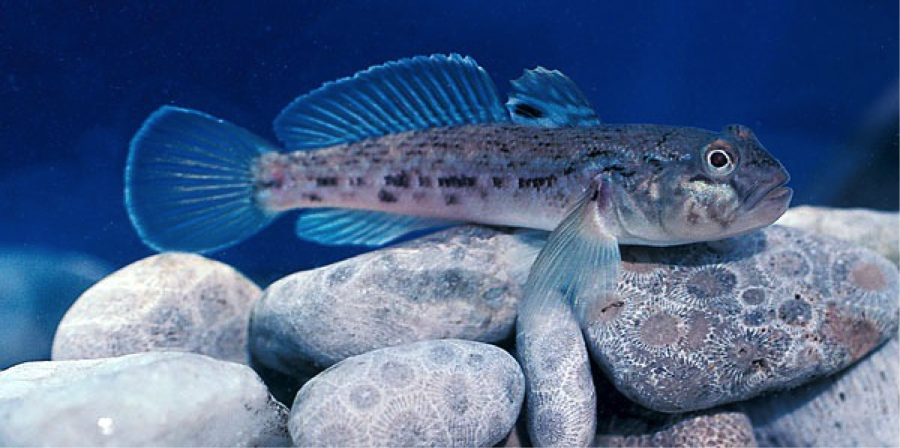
x=461, y=283
x=37, y=286
x=167, y=302
x=876, y=230
x=146, y=399
x=431, y=393
x=859, y=407
x=697, y=326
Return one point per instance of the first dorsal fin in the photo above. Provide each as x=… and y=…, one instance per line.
x=548, y=98
x=416, y=93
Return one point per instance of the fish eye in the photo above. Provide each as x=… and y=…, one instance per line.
x=719, y=161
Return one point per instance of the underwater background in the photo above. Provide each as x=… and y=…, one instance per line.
x=816, y=81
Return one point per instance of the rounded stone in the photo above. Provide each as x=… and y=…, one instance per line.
x=143, y=399
x=822, y=305
x=406, y=293
x=167, y=302
x=452, y=403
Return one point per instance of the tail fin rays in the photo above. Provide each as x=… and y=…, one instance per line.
x=189, y=184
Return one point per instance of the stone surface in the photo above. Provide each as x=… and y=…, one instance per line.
x=714, y=428
x=37, y=286
x=696, y=326
x=858, y=407
x=146, y=399
x=167, y=302
x=460, y=283
x=876, y=230
x=430, y=393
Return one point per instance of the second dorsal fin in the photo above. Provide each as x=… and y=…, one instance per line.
x=542, y=97
x=416, y=93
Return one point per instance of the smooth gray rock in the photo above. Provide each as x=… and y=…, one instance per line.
x=167, y=302
x=461, y=283
x=146, y=399
x=858, y=407
x=431, y=393
x=37, y=286
x=697, y=326
x=876, y=230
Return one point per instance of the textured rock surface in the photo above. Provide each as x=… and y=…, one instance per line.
x=708, y=429
x=859, y=407
x=460, y=283
x=167, y=302
x=430, y=393
x=706, y=324
x=560, y=405
x=146, y=399
x=879, y=231
x=37, y=286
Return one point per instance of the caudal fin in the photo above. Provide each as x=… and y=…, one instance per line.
x=189, y=184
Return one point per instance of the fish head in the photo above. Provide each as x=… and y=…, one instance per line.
x=725, y=185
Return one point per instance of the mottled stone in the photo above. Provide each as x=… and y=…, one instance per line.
x=460, y=283
x=714, y=428
x=431, y=393
x=37, y=286
x=167, y=302
x=876, y=230
x=858, y=407
x=145, y=399
x=695, y=326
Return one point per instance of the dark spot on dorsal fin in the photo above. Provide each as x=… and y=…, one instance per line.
x=528, y=111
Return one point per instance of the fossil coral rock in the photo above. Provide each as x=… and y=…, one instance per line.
x=167, y=302
x=430, y=393
x=696, y=326
x=858, y=407
x=459, y=283
x=708, y=428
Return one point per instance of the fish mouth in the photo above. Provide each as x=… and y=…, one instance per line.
x=766, y=206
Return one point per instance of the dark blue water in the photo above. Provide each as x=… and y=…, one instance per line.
x=817, y=81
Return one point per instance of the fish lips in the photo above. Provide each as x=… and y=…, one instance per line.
x=768, y=204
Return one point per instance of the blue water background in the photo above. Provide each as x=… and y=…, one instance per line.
x=816, y=80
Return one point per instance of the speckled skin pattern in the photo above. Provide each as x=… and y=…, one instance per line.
x=431, y=393
x=167, y=302
x=697, y=326
x=461, y=283
x=714, y=428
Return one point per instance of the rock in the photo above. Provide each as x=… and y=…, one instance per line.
x=716, y=428
x=859, y=407
x=460, y=283
x=167, y=302
x=560, y=405
x=430, y=393
x=697, y=326
x=876, y=230
x=146, y=399
x=37, y=286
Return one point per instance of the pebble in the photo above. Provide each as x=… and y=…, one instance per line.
x=459, y=283
x=858, y=407
x=715, y=428
x=167, y=302
x=697, y=326
x=145, y=399
x=876, y=230
x=431, y=393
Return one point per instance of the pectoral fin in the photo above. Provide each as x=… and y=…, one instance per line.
x=579, y=264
